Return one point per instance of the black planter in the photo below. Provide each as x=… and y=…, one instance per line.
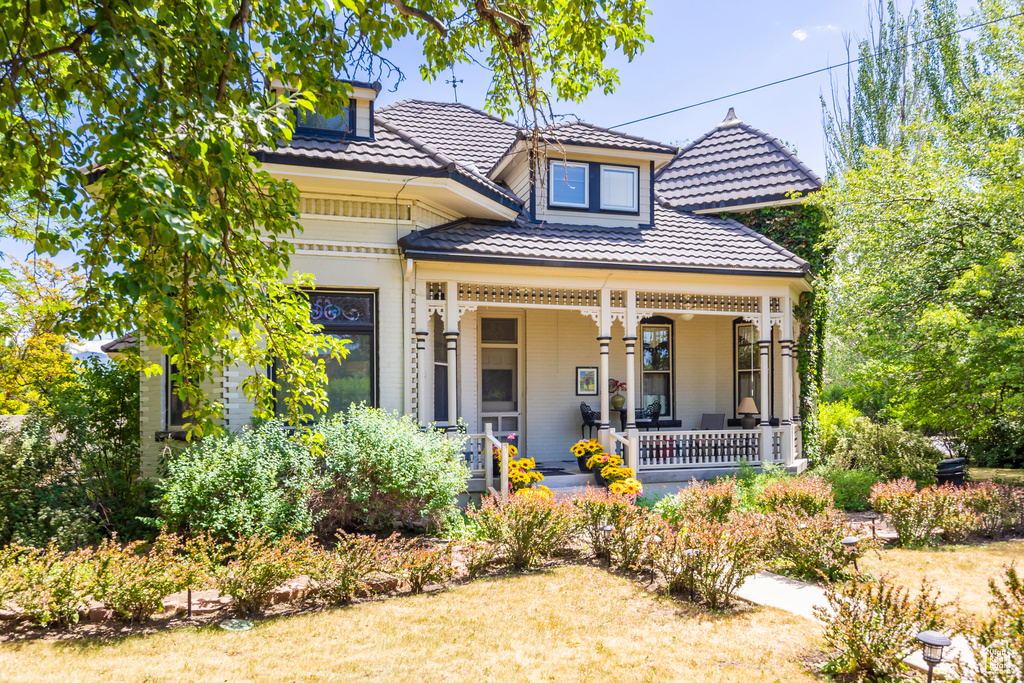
x=599, y=479
x=581, y=460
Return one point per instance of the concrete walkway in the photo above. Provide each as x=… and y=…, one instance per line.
x=800, y=598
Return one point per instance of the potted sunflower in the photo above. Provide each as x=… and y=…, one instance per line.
x=599, y=462
x=583, y=449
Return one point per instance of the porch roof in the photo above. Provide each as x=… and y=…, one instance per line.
x=678, y=241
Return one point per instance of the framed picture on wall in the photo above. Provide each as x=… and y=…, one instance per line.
x=586, y=381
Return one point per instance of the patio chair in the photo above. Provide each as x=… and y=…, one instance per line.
x=712, y=421
x=590, y=419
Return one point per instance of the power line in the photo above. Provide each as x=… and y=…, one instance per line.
x=822, y=70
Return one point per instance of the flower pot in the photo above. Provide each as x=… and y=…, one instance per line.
x=599, y=479
x=581, y=460
x=617, y=401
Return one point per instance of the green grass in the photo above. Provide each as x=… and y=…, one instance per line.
x=997, y=474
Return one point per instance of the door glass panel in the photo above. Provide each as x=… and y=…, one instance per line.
x=656, y=348
x=499, y=379
x=509, y=423
x=498, y=331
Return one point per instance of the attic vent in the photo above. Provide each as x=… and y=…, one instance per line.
x=354, y=207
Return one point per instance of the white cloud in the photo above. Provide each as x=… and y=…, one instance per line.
x=800, y=34
x=826, y=27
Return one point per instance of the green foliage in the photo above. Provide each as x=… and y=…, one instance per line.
x=836, y=422
x=811, y=546
x=807, y=495
x=336, y=575
x=711, y=501
x=887, y=450
x=872, y=625
x=49, y=585
x=129, y=133
x=596, y=509
x=917, y=515
x=1001, y=446
x=71, y=472
x=257, y=565
x=526, y=528
x=850, y=488
x=384, y=470
x=259, y=481
x=997, y=644
x=478, y=557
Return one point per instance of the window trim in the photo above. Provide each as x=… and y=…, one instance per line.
x=736, y=324
x=169, y=424
x=632, y=170
x=660, y=321
x=551, y=186
x=332, y=134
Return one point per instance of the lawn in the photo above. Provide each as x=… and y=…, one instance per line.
x=1006, y=476
x=961, y=571
x=572, y=623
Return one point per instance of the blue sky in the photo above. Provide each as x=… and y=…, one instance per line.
x=702, y=50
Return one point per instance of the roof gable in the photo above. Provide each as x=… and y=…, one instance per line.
x=733, y=166
x=588, y=135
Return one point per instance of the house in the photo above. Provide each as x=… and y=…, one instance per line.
x=486, y=277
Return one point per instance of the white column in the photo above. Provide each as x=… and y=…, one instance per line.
x=422, y=333
x=630, y=339
x=604, y=338
x=765, y=345
x=451, y=336
x=786, y=342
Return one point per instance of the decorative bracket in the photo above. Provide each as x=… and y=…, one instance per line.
x=754, y=320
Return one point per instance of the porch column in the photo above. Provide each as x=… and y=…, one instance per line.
x=451, y=336
x=786, y=343
x=630, y=339
x=422, y=332
x=765, y=345
x=604, y=338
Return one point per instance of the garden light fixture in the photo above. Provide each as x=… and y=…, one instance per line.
x=932, y=644
x=606, y=534
x=850, y=543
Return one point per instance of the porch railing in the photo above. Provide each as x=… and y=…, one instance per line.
x=725, y=448
x=478, y=453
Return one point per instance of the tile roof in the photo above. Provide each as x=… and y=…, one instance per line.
x=466, y=134
x=679, y=241
x=734, y=165
x=587, y=134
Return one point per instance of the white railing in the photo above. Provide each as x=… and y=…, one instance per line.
x=723, y=448
x=477, y=453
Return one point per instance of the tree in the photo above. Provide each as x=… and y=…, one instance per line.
x=130, y=128
x=928, y=254
x=35, y=358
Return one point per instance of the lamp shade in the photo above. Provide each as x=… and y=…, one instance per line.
x=746, y=406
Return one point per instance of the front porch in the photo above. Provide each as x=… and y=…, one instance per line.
x=513, y=352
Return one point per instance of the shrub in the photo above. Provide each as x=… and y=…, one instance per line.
x=673, y=558
x=384, y=470
x=727, y=555
x=525, y=528
x=478, y=557
x=995, y=506
x=872, y=626
x=810, y=494
x=50, y=585
x=336, y=575
x=712, y=501
x=133, y=584
x=1002, y=445
x=915, y=516
x=836, y=423
x=596, y=509
x=812, y=546
x=257, y=565
x=420, y=564
x=997, y=644
x=887, y=450
x=258, y=482
x=632, y=538
x=850, y=488
x=750, y=483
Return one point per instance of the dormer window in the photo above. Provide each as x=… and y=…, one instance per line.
x=569, y=185
x=314, y=123
x=620, y=187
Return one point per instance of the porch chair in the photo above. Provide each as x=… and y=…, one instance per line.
x=590, y=419
x=712, y=421
x=657, y=422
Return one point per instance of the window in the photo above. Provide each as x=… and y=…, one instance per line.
x=569, y=184
x=317, y=124
x=350, y=316
x=176, y=407
x=620, y=188
x=656, y=371
x=748, y=365
x=440, y=371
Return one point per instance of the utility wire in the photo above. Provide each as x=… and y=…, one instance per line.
x=822, y=70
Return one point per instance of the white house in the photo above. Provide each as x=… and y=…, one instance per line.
x=484, y=279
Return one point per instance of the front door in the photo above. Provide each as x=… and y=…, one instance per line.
x=501, y=383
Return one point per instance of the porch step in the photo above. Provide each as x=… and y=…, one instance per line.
x=566, y=481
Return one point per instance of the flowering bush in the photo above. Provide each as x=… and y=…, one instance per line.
x=997, y=645
x=421, y=564
x=727, y=554
x=336, y=575
x=812, y=546
x=257, y=566
x=707, y=500
x=133, y=584
x=810, y=494
x=596, y=509
x=872, y=625
x=49, y=585
x=915, y=515
x=616, y=472
x=525, y=528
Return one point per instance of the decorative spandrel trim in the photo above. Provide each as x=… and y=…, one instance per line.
x=343, y=248
x=754, y=320
x=592, y=313
x=776, y=321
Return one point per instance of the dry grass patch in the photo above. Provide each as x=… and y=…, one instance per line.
x=569, y=624
x=999, y=474
x=961, y=571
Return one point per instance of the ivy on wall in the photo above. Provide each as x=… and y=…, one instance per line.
x=799, y=228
